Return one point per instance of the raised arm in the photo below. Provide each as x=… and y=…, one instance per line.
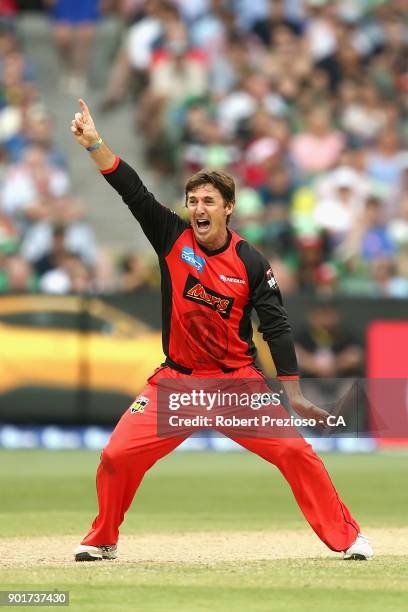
x=160, y=225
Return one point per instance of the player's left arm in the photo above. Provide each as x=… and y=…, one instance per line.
x=274, y=325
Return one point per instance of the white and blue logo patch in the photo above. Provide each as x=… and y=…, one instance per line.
x=188, y=255
x=270, y=279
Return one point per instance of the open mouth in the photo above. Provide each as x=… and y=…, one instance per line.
x=202, y=224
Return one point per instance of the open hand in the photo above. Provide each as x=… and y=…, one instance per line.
x=304, y=408
x=83, y=127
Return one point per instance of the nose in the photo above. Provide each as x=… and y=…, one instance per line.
x=200, y=208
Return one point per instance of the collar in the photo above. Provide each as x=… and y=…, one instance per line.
x=225, y=246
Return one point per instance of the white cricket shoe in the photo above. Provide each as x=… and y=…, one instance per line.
x=95, y=553
x=360, y=550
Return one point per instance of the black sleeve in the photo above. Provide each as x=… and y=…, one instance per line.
x=161, y=226
x=267, y=301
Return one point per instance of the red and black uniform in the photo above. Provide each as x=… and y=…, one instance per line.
x=207, y=300
x=208, y=296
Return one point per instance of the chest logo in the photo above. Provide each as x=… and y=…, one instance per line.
x=232, y=279
x=195, y=291
x=188, y=255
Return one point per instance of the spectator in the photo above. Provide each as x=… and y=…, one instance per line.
x=278, y=189
x=72, y=275
x=8, y=40
x=135, y=50
x=65, y=215
x=177, y=74
x=239, y=106
x=398, y=227
x=318, y=147
x=325, y=349
x=28, y=187
x=250, y=12
x=133, y=273
x=249, y=215
x=388, y=283
x=17, y=276
x=375, y=241
x=192, y=11
x=287, y=63
x=341, y=209
x=398, y=191
x=279, y=14
x=210, y=147
x=210, y=30
x=53, y=256
x=80, y=275
x=74, y=30
x=230, y=67
x=328, y=356
x=37, y=129
x=384, y=160
x=310, y=256
x=260, y=157
x=362, y=111
x=9, y=237
x=18, y=79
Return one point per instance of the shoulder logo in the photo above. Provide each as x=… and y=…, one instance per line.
x=270, y=279
x=139, y=404
x=188, y=255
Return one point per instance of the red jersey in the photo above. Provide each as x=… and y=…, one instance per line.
x=208, y=296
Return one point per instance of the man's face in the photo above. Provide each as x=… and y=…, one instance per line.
x=208, y=214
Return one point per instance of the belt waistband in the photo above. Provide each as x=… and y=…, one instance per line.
x=175, y=366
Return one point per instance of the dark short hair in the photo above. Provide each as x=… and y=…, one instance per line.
x=220, y=180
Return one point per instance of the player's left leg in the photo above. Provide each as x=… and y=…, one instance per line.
x=312, y=487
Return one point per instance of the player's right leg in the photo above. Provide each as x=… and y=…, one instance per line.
x=132, y=449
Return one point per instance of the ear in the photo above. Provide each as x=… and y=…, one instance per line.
x=229, y=208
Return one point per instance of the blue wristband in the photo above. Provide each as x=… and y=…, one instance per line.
x=95, y=146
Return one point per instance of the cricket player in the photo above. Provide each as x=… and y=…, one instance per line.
x=210, y=279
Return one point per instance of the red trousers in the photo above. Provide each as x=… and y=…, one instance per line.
x=135, y=446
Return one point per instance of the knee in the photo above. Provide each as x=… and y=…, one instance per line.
x=63, y=34
x=116, y=458
x=292, y=449
x=111, y=458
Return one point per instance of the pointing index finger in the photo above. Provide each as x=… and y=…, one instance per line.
x=84, y=109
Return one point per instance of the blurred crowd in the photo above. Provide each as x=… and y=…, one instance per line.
x=305, y=102
x=46, y=244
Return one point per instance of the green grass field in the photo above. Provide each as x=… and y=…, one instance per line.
x=53, y=494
